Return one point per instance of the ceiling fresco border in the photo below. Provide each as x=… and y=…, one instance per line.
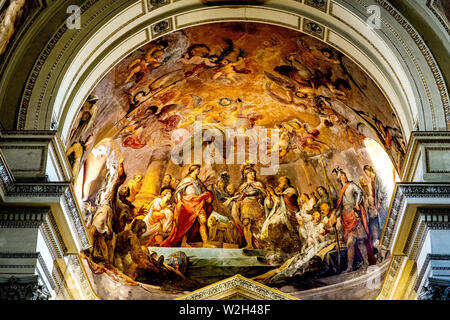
x=391, y=277
x=21, y=120
x=77, y=267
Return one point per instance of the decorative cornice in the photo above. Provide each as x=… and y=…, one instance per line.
x=425, y=267
x=6, y=178
x=436, y=218
x=156, y=4
x=61, y=190
x=426, y=53
x=47, y=274
x=237, y=283
x=45, y=189
x=313, y=28
x=409, y=190
x=16, y=217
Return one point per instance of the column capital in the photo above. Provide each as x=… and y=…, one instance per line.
x=22, y=288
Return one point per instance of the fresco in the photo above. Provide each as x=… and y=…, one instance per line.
x=234, y=148
x=12, y=16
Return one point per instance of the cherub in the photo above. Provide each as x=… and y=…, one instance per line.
x=229, y=69
x=324, y=54
x=210, y=61
x=324, y=79
x=147, y=62
x=282, y=146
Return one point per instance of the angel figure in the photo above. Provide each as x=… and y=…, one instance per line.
x=147, y=62
x=230, y=69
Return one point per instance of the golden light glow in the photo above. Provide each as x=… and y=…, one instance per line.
x=382, y=164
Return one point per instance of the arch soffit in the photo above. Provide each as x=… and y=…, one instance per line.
x=73, y=63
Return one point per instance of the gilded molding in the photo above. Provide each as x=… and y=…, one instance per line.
x=75, y=264
x=240, y=283
x=427, y=158
x=391, y=276
x=6, y=57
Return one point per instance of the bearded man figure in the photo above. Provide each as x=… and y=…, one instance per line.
x=354, y=220
x=194, y=205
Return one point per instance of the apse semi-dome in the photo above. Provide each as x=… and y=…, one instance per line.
x=234, y=148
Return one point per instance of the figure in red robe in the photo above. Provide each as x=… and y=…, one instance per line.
x=354, y=221
x=194, y=205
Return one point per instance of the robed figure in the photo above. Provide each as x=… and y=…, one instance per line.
x=354, y=219
x=194, y=205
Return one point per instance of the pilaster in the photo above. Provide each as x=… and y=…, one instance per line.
x=42, y=229
x=417, y=234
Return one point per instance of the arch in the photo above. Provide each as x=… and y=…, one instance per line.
x=74, y=61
